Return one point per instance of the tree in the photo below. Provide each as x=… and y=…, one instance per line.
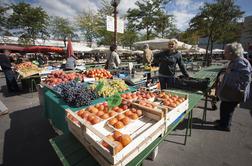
x=129, y=37
x=163, y=25
x=88, y=24
x=32, y=21
x=149, y=16
x=60, y=28
x=213, y=20
x=3, y=19
x=105, y=37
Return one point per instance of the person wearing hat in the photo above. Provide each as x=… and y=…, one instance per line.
x=167, y=61
x=147, y=55
x=9, y=74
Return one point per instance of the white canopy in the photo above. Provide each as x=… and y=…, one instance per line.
x=102, y=49
x=161, y=44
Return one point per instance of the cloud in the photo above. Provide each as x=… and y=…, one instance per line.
x=183, y=11
x=66, y=8
x=125, y=5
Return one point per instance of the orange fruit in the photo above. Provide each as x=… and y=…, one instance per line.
x=90, y=118
x=117, y=135
x=85, y=115
x=105, y=116
x=119, y=147
x=139, y=112
x=95, y=121
x=134, y=116
x=128, y=113
x=119, y=125
x=79, y=113
x=99, y=113
x=125, y=139
x=105, y=144
x=125, y=121
x=112, y=113
x=120, y=116
x=113, y=121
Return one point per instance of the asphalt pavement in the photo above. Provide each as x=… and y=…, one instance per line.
x=24, y=135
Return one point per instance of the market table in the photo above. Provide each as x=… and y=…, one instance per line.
x=71, y=152
x=54, y=108
x=211, y=73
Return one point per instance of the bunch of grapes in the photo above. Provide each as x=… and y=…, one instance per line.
x=76, y=94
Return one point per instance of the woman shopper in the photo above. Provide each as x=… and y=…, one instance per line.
x=113, y=60
x=167, y=61
x=235, y=84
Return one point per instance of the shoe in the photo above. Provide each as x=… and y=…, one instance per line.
x=222, y=128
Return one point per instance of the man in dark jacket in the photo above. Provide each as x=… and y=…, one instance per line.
x=9, y=74
x=167, y=61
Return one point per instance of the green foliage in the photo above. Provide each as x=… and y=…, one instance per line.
x=214, y=20
x=105, y=37
x=33, y=21
x=128, y=38
x=3, y=18
x=150, y=17
x=88, y=24
x=60, y=28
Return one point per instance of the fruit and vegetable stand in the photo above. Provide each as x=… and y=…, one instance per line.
x=71, y=152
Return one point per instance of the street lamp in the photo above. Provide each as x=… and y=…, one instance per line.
x=115, y=3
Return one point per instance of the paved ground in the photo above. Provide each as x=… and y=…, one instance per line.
x=24, y=134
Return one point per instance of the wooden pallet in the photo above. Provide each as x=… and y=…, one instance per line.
x=91, y=137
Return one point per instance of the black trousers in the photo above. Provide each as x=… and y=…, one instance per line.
x=226, y=112
x=11, y=81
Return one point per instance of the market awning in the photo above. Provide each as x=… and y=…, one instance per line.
x=43, y=49
x=11, y=48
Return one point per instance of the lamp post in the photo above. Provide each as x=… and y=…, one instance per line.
x=115, y=3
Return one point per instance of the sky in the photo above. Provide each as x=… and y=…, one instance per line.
x=183, y=10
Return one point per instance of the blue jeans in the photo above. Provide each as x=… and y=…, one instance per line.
x=166, y=82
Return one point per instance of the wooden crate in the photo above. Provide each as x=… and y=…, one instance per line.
x=170, y=114
x=92, y=135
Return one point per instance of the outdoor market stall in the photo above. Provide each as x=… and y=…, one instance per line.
x=71, y=152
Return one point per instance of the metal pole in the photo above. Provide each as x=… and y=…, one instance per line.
x=115, y=24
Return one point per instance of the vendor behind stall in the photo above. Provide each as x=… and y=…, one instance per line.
x=9, y=74
x=167, y=61
x=113, y=60
x=71, y=62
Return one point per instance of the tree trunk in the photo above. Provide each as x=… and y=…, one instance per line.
x=206, y=55
x=147, y=33
x=211, y=53
x=64, y=41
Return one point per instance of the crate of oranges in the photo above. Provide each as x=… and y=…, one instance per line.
x=108, y=145
x=172, y=103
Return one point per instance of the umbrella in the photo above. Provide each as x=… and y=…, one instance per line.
x=70, y=51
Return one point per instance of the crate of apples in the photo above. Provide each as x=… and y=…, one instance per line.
x=98, y=74
x=139, y=95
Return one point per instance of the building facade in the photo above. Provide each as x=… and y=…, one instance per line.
x=246, y=36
